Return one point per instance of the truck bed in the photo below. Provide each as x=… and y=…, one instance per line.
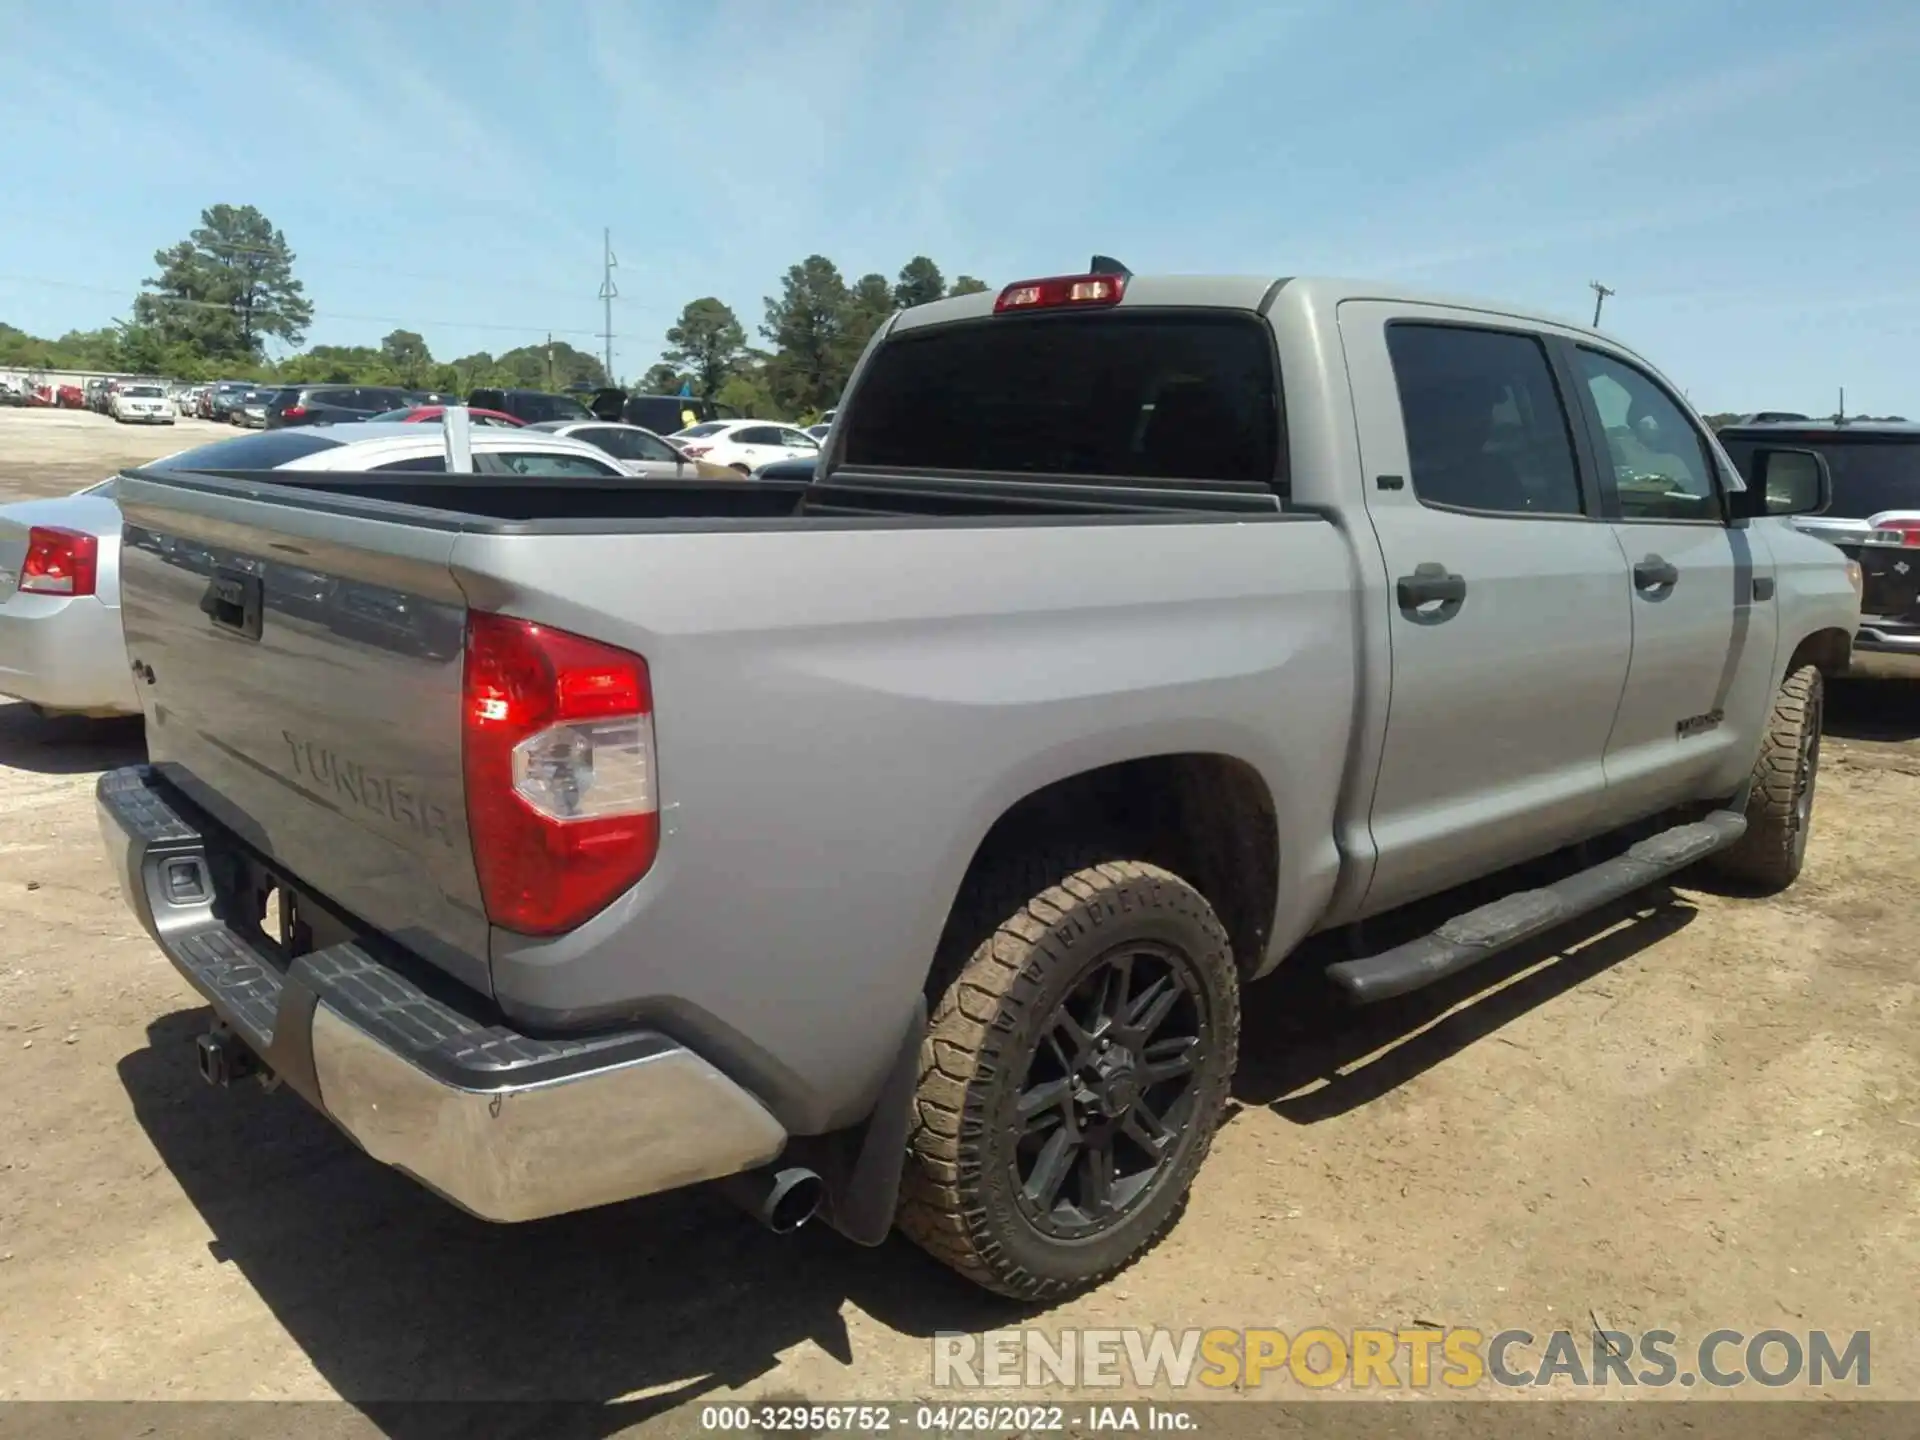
x=511, y=504
x=844, y=704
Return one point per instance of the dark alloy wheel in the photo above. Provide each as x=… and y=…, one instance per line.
x=1109, y=1091
x=1075, y=1067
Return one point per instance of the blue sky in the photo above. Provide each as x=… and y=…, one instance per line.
x=1743, y=175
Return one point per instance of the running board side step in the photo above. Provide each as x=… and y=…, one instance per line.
x=1468, y=939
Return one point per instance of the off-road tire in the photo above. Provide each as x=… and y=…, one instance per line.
x=1780, y=806
x=1022, y=939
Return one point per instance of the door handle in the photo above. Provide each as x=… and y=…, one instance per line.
x=1655, y=573
x=1429, y=583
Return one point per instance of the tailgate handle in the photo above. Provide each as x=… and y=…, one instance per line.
x=234, y=603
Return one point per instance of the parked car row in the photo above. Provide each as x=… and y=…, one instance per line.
x=60, y=643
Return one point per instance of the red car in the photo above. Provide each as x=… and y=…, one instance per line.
x=430, y=415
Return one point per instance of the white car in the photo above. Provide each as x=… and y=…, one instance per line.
x=61, y=646
x=143, y=404
x=745, y=445
x=637, y=448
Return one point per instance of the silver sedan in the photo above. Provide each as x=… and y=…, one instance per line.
x=60, y=641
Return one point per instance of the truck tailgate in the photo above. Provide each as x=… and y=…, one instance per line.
x=301, y=678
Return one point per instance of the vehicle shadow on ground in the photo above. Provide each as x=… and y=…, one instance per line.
x=67, y=744
x=398, y=1297
x=1885, y=710
x=1309, y=1056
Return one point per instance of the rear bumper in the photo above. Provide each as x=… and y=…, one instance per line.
x=419, y=1072
x=65, y=653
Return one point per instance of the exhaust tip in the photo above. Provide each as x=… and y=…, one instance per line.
x=782, y=1200
x=793, y=1200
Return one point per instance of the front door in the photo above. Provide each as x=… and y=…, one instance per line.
x=1510, y=628
x=1704, y=624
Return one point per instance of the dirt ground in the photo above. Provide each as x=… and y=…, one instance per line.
x=1702, y=1112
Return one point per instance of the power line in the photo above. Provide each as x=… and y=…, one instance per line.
x=317, y=314
x=238, y=247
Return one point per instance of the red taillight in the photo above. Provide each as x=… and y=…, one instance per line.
x=694, y=452
x=1061, y=290
x=561, y=803
x=1905, y=533
x=294, y=412
x=60, y=562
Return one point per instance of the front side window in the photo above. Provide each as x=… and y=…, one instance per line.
x=1485, y=426
x=628, y=444
x=552, y=465
x=1660, y=464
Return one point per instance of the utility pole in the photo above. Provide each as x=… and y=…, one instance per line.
x=549, y=359
x=1600, y=293
x=608, y=293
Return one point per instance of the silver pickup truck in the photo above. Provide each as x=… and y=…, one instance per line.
x=892, y=844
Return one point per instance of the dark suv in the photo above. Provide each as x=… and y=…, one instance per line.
x=331, y=404
x=662, y=414
x=1874, y=519
x=531, y=406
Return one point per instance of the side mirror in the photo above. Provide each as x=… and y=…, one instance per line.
x=1785, y=482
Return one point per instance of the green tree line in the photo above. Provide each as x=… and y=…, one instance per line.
x=221, y=294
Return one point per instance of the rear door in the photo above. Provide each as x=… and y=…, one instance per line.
x=1704, y=626
x=755, y=445
x=1511, y=634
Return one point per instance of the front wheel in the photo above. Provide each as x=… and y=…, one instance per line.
x=1072, y=1075
x=1780, y=805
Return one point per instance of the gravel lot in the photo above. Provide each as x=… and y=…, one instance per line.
x=1700, y=1113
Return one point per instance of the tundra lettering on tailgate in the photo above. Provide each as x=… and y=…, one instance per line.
x=378, y=794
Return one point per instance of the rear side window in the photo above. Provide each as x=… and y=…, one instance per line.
x=711, y=427
x=435, y=464
x=1141, y=395
x=1486, y=428
x=1871, y=473
x=366, y=398
x=264, y=451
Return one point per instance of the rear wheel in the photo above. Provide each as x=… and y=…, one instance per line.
x=1780, y=806
x=1072, y=1076
x=741, y=468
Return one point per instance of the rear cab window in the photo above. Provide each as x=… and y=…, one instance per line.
x=1144, y=394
